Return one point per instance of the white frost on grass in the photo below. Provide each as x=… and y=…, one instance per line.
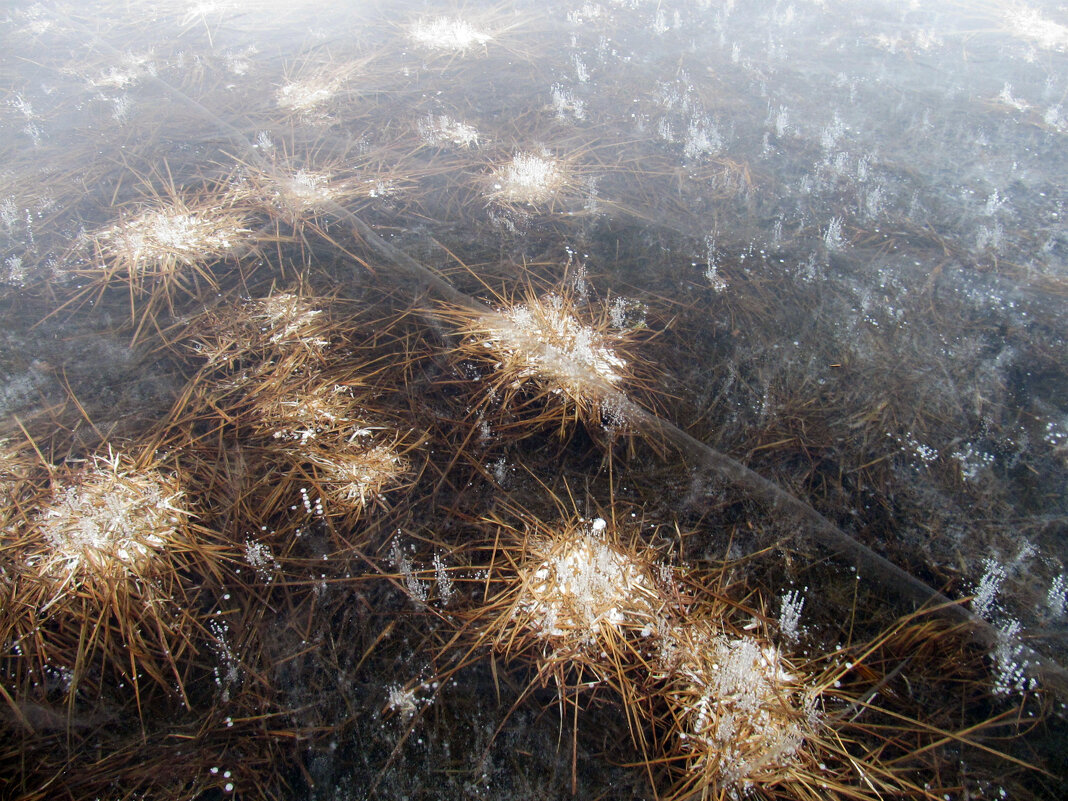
x=308, y=94
x=702, y=139
x=740, y=710
x=579, y=588
x=543, y=341
x=528, y=178
x=107, y=520
x=832, y=237
x=416, y=589
x=403, y=701
x=443, y=130
x=355, y=475
x=172, y=234
x=301, y=415
x=447, y=34
x=308, y=189
x=1027, y=23
x=286, y=317
x=132, y=69
x=305, y=96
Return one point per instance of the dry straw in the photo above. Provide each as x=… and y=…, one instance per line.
x=281, y=373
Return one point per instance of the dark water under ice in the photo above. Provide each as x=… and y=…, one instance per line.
x=838, y=226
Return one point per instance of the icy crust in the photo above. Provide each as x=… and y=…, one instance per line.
x=578, y=589
x=107, y=520
x=742, y=715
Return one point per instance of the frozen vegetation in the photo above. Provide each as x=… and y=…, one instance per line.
x=572, y=399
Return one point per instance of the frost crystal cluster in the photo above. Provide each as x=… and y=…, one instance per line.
x=306, y=190
x=170, y=235
x=543, y=339
x=742, y=713
x=106, y=520
x=443, y=130
x=580, y=588
x=306, y=96
x=447, y=34
x=528, y=178
x=1029, y=24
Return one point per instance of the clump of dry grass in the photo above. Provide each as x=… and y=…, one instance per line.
x=736, y=713
x=303, y=194
x=739, y=713
x=553, y=355
x=315, y=92
x=244, y=332
x=157, y=242
x=584, y=606
x=287, y=375
x=100, y=563
x=717, y=706
x=356, y=474
x=302, y=411
x=331, y=443
x=572, y=592
x=163, y=248
x=107, y=520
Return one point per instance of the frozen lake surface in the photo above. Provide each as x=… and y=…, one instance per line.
x=620, y=399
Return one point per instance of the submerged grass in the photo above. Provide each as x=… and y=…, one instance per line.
x=352, y=536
